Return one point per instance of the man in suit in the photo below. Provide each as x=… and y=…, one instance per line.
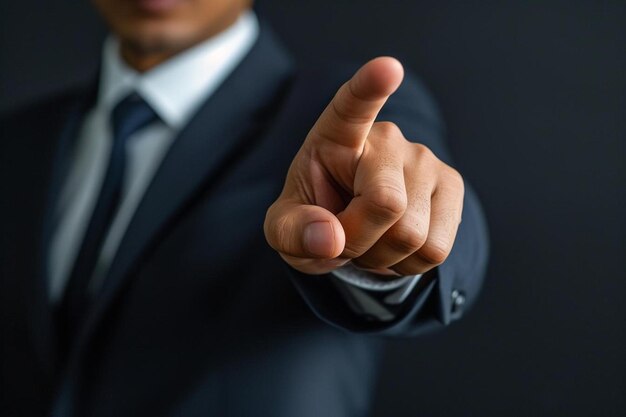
x=136, y=278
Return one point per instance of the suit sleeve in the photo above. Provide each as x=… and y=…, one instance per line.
x=443, y=294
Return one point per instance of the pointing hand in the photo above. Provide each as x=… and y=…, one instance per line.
x=358, y=191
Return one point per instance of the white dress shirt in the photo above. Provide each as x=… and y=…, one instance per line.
x=174, y=90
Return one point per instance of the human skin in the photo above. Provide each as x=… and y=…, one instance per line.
x=152, y=31
x=357, y=190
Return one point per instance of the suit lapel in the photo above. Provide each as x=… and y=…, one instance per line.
x=198, y=155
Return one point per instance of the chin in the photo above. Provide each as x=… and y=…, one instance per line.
x=157, y=38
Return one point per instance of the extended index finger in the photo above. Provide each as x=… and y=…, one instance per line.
x=348, y=118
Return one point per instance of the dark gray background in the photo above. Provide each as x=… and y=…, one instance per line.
x=534, y=96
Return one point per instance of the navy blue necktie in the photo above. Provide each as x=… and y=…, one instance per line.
x=128, y=116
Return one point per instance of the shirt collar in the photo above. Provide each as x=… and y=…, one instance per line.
x=176, y=88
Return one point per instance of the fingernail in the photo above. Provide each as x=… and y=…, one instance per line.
x=319, y=239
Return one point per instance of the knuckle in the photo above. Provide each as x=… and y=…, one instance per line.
x=387, y=203
x=407, y=239
x=387, y=129
x=454, y=178
x=436, y=251
x=422, y=151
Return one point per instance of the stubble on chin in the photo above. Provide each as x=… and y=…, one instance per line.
x=143, y=51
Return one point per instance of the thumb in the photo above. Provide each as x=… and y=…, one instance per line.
x=303, y=231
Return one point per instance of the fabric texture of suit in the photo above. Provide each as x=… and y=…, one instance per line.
x=198, y=316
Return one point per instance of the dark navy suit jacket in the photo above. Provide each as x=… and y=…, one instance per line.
x=198, y=315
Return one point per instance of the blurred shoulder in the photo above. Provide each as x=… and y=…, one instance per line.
x=31, y=126
x=46, y=107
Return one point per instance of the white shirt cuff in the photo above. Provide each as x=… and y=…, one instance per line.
x=358, y=285
x=372, y=282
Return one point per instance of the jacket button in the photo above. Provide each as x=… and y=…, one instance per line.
x=458, y=300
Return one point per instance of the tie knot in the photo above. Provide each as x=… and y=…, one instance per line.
x=130, y=115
